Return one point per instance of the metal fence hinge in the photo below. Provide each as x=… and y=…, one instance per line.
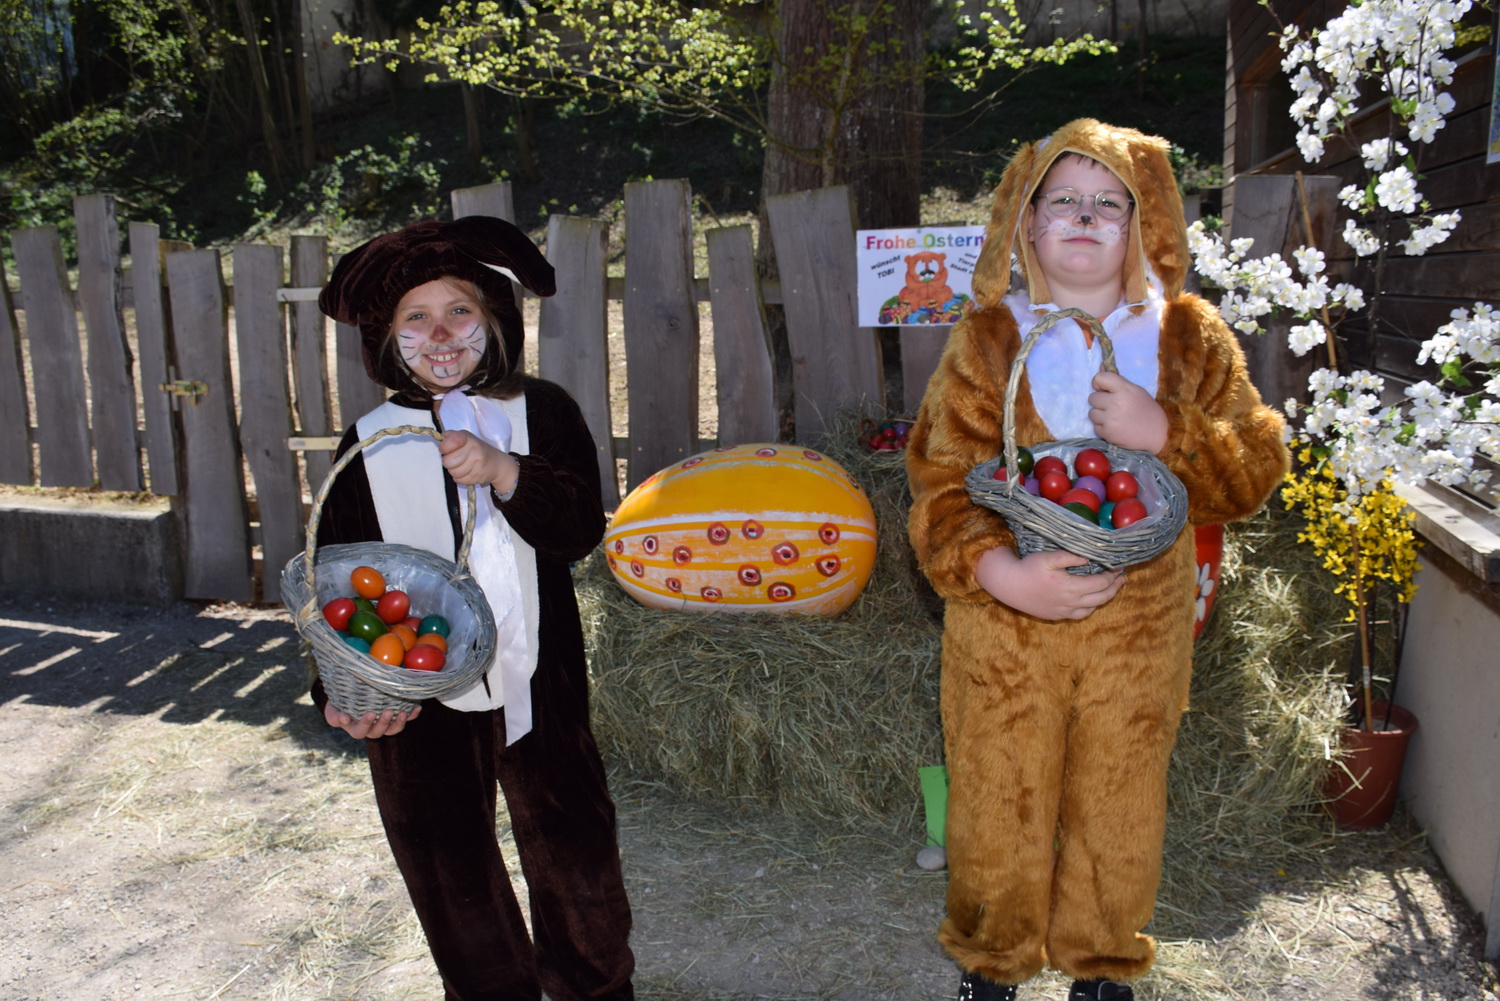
x=190, y=388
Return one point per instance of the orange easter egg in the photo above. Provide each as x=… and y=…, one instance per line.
x=748, y=528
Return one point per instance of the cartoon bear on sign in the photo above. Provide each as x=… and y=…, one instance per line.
x=926, y=281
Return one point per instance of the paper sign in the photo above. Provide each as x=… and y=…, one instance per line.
x=1493, y=155
x=922, y=275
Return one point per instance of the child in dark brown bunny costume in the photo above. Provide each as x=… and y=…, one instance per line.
x=439, y=325
x=1061, y=694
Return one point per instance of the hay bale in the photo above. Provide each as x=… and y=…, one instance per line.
x=819, y=717
x=831, y=718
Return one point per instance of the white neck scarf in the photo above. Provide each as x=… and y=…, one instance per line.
x=406, y=483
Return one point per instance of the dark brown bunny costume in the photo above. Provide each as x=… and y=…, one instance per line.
x=436, y=781
x=1058, y=733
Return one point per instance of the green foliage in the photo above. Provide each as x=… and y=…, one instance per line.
x=700, y=62
x=400, y=182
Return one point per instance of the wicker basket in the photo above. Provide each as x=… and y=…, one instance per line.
x=1040, y=524
x=358, y=683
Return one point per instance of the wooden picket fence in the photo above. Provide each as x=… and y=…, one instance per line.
x=229, y=399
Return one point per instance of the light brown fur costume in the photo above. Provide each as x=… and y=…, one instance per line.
x=1058, y=733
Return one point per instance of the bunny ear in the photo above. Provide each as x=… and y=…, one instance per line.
x=1163, y=229
x=992, y=270
x=501, y=246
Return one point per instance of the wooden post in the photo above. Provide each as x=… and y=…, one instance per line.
x=661, y=325
x=484, y=199
x=310, y=354
x=266, y=409
x=573, y=332
x=835, y=362
x=62, y=431
x=15, y=412
x=154, y=345
x=742, y=352
x=1268, y=210
x=117, y=450
x=217, y=555
x=497, y=201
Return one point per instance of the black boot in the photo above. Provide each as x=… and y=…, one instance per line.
x=1100, y=990
x=973, y=987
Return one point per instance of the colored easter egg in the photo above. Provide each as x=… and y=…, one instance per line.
x=762, y=528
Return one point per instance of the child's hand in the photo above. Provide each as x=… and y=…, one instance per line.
x=1124, y=414
x=472, y=460
x=369, y=726
x=1040, y=584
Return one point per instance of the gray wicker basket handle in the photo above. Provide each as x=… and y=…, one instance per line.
x=1013, y=386
x=317, y=507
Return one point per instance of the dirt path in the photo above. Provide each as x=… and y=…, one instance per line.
x=177, y=824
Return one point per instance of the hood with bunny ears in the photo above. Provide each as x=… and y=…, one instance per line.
x=369, y=281
x=1158, y=233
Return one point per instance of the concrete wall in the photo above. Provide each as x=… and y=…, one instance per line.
x=1450, y=678
x=127, y=553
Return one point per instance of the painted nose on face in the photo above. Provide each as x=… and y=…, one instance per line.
x=1084, y=219
x=440, y=333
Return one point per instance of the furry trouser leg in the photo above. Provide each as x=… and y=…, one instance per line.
x=1058, y=736
x=436, y=784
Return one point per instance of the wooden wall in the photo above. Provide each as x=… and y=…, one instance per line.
x=1420, y=292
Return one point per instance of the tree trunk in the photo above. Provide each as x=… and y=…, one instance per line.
x=838, y=115
x=262, y=91
x=473, y=136
x=844, y=107
x=525, y=120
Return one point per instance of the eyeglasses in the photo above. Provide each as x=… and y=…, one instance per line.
x=1064, y=203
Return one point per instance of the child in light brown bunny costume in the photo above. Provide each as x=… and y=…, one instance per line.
x=1061, y=694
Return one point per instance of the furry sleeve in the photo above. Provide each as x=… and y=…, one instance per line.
x=1222, y=441
x=960, y=425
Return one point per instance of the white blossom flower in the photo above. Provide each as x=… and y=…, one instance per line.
x=1310, y=145
x=1363, y=242
x=1377, y=153
x=1309, y=260
x=1424, y=238
x=1351, y=296
x=1396, y=189
x=1304, y=337
x=1353, y=197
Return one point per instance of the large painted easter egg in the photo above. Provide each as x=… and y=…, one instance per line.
x=762, y=528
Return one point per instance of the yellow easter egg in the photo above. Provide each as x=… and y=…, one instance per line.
x=748, y=528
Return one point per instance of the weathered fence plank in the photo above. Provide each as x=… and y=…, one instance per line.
x=742, y=356
x=492, y=200
x=1267, y=208
x=62, y=431
x=484, y=199
x=117, y=450
x=266, y=408
x=310, y=354
x=661, y=325
x=358, y=393
x=573, y=332
x=154, y=346
x=15, y=411
x=920, y=351
x=217, y=555
x=835, y=362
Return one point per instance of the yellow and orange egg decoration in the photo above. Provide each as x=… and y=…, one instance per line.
x=747, y=528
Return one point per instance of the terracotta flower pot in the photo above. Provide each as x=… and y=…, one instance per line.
x=1362, y=784
x=1210, y=546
